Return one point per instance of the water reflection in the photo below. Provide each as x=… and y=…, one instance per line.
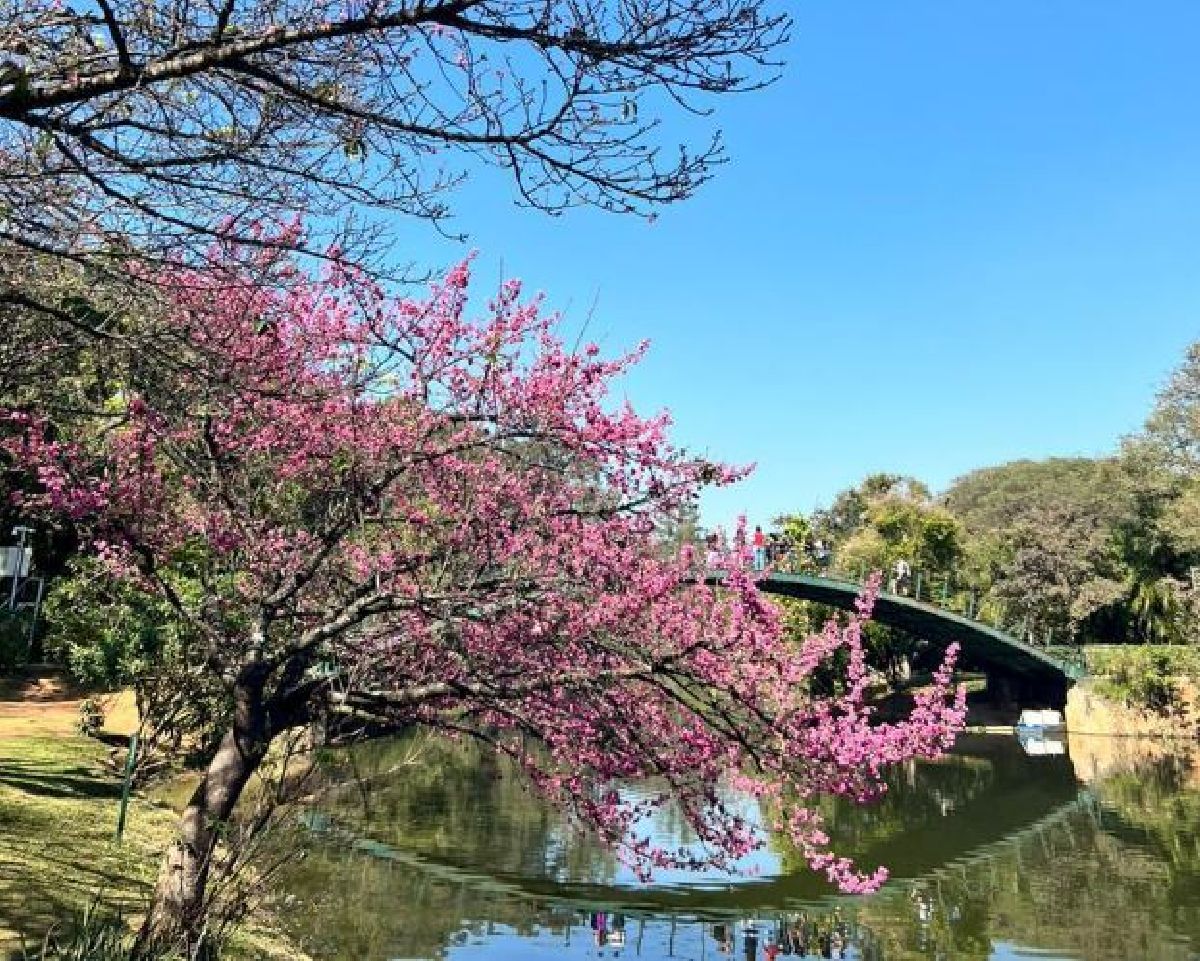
x=1037, y=744
x=996, y=853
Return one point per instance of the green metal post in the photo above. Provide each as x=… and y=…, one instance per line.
x=130, y=761
x=946, y=588
x=917, y=588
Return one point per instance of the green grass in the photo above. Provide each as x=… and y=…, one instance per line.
x=59, y=857
x=1109, y=659
x=58, y=852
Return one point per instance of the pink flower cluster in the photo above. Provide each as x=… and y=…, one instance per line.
x=452, y=511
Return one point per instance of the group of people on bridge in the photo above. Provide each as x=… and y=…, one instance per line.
x=766, y=549
x=780, y=553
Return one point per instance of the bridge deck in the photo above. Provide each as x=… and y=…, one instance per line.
x=981, y=643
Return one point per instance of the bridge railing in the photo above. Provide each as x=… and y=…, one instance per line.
x=943, y=591
x=946, y=590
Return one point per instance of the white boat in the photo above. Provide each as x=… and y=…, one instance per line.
x=1040, y=721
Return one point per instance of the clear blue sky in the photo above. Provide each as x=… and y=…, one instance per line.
x=954, y=234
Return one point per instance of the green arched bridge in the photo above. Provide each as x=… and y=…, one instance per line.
x=984, y=646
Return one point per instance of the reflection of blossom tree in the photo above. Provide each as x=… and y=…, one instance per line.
x=908, y=803
x=462, y=805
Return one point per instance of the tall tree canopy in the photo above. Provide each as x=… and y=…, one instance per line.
x=1163, y=460
x=999, y=497
x=888, y=517
x=1172, y=431
x=391, y=515
x=1047, y=538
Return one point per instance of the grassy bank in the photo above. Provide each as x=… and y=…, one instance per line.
x=58, y=851
x=58, y=816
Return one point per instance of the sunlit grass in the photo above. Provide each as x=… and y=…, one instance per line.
x=59, y=856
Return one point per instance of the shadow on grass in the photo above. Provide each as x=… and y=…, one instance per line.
x=58, y=852
x=45, y=780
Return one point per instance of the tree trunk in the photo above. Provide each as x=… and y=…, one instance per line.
x=178, y=909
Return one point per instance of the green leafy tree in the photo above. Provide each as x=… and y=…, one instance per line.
x=1045, y=540
x=842, y=518
x=889, y=517
x=1062, y=567
x=941, y=543
x=1179, y=522
x=1158, y=610
x=1162, y=543
x=796, y=529
x=1172, y=432
x=995, y=499
x=864, y=550
x=107, y=633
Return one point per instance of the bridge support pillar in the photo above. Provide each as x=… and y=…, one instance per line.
x=1019, y=691
x=1002, y=691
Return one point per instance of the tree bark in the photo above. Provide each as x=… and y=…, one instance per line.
x=179, y=907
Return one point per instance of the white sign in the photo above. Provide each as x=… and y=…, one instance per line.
x=9, y=557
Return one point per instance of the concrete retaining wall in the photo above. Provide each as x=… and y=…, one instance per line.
x=1089, y=712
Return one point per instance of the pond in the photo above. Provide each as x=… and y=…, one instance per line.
x=1087, y=849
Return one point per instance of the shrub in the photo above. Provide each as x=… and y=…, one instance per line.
x=1142, y=677
x=1177, y=659
x=14, y=639
x=106, y=635
x=93, y=935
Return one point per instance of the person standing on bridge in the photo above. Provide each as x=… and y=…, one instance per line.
x=760, y=548
x=821, y=556
x=902, y=575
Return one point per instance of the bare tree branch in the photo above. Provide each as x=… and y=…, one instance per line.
x=153, y=125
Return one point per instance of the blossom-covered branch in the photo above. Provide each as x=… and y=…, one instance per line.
x=391, y=514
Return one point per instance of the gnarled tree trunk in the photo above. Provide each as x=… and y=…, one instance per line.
x=178, y=909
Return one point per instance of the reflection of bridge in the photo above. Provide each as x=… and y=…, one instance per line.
x=999, y=851
x=913, y=836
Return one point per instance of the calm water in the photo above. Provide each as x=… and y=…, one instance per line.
x=1091, y=853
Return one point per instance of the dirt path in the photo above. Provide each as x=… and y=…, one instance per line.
x=47, y=704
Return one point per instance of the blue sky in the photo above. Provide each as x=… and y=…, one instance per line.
x=954, y=234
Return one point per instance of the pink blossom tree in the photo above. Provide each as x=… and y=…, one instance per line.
x=389, y=515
